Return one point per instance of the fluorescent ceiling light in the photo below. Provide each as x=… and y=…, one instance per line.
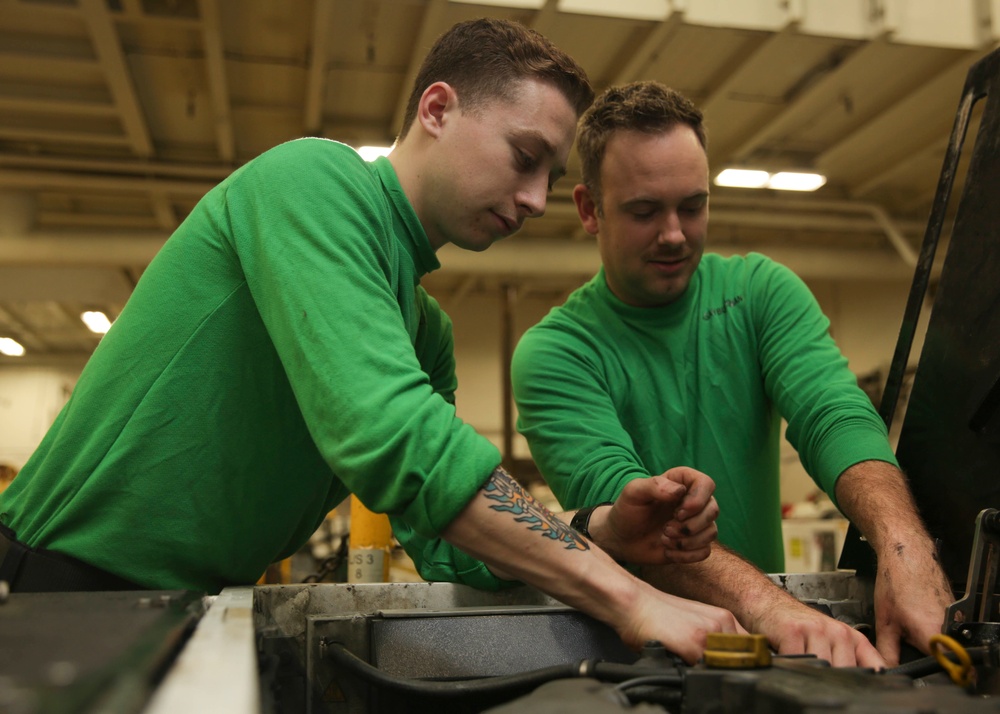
x=10, y=347
x=780, y=181
x=97, y=321
x=743, y=178
x=525, y=4
x=795, y=181
x=656, y=10
x=370, y=153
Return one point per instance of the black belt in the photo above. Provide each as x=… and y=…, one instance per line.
x=33, y=570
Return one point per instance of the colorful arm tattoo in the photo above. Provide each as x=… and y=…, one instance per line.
x=510, y=497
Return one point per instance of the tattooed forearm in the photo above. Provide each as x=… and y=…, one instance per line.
x=510, y=497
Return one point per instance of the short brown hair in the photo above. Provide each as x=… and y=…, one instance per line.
x=482, y=59
x=648, y=107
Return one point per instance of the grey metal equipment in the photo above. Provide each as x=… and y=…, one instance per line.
x=949, y=443
x=975, y=618
x=399, y=648
x=89, y=651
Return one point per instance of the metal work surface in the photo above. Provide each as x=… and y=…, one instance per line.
x=413, y=647
x=217, y=670
x=422, y=647
x=293, y=620
x=88, y=652
x=487, y=643
x=427, y=632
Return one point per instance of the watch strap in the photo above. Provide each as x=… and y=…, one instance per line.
x=581, y=519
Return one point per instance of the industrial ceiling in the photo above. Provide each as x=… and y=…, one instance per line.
x=116, y=116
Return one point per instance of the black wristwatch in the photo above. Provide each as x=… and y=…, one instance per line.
x=581, y=520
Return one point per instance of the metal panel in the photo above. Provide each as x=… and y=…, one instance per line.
x=88, y=652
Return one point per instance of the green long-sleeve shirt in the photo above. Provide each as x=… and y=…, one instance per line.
x=277, y=354
x=607, y=393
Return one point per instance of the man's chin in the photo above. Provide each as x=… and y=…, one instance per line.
x=478, y=246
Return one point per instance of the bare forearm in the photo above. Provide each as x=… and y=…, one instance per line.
x=519, y=538
x=515, y=535
x=723, y=579
x=726, y=580
x=911, y=589
x=874, y=495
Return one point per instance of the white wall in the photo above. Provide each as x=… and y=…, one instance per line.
x=30, y=399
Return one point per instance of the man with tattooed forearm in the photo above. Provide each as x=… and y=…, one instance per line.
x=279, y=354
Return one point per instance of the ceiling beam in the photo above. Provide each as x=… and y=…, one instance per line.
x=648, y=52
x=55, y=106
x=28, y=338
x=733, y=71
x=546, y=18
x=218, y=87
x=82, y=249
x=20, y=180
x=319, y=52
x=87, y=221
x=804, y=105
x=23, y=63
x=890, y=170
x=430, y=28
x=63, y=137
x=465, y=286
x=163, y=210
x=143, y=169
x=107, y=46
x=906, y=121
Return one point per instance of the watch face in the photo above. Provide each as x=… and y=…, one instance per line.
x=581, y=520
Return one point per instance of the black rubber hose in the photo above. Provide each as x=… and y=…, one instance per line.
x=929, y=665
x=617, y=672
x=452, y=688
x=603, y=671
x=659, y=680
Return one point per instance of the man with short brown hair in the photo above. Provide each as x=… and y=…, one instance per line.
x=279, y=353
x=671, y=356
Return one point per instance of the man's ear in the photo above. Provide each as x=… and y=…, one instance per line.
x=586, y=208
x=435, y=103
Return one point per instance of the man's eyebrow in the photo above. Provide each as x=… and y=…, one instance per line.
x=647, y=201
x=641, y=201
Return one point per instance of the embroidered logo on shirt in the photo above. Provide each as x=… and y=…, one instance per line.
x=726, y=304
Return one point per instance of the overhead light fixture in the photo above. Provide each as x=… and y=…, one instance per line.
x=522, y=4
x=796, y=181
x=11, y=348
x=96, y=321
x=780, y=181
x=742, y=178
x=370, y=153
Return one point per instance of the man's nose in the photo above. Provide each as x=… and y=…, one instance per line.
x=671, y=232
x=532, y=197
